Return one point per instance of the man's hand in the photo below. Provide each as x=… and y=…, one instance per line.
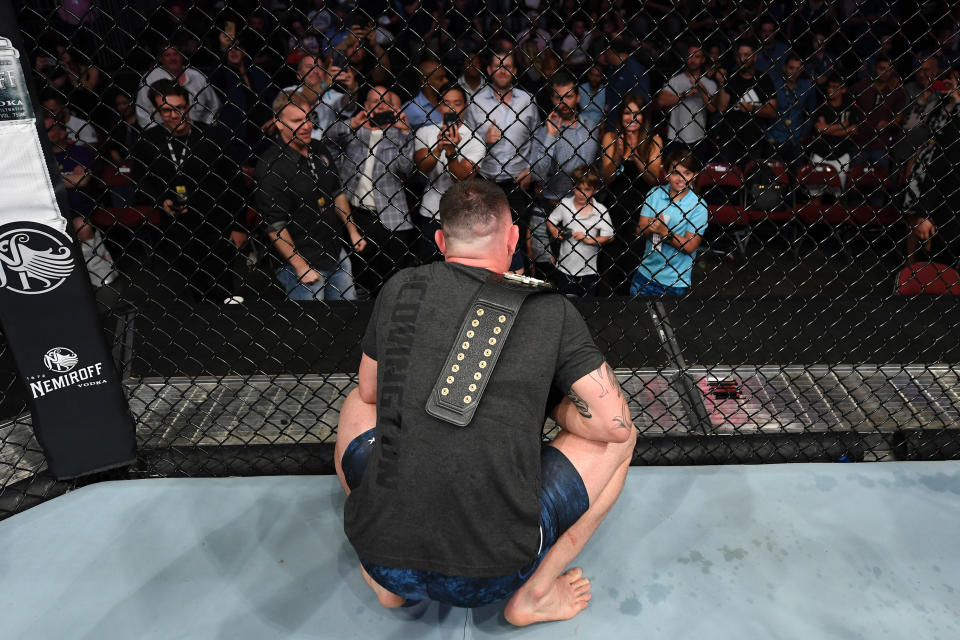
x=169, y=207
x=923, y=230
x=553, y=124
x=239, y=238
x=308, y=276
x=359, y=119
x=578, y=235
x=452, y=135
x=358, y=241
x=493, y=134
x=403, y=122
x=524, y=179
x=71, y=179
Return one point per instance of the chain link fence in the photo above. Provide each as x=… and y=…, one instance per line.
x=754, y=205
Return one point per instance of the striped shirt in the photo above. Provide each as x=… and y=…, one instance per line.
x=553, y=158
x=517, y=120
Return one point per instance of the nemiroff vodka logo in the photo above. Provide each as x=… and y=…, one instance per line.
x=33, y=261
x=64, y=373
x=60, y=359
x=14, y=97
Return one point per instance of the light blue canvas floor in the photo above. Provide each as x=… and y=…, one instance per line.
x=780, y=551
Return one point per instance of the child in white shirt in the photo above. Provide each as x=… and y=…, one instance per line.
x=584, y=225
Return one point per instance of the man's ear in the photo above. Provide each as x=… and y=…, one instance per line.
x=512, y=238
x=441, y=241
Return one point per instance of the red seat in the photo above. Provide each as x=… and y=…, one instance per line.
x=865, y=214
x=865, y=177
x=251, y=219
x=819, y=175
x=928, y=277
x=782, y=177
x=114, y=176
x=728, y=215
x=125, y=216
x=818, y=213
x=248, y=176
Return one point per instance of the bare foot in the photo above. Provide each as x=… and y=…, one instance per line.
x=386, y=598
x=566, y=597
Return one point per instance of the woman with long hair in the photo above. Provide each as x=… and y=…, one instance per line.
x=631, y=157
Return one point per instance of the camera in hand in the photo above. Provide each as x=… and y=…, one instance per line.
x=180, y=197
x=384, y=118
x=566, y=234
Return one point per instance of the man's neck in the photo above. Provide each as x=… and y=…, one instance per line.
x=483, y=263
x=181, y=132
x=504, y=95
x=473, y=83
x=747, y=73
x=431, y=95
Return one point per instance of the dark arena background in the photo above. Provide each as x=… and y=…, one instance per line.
x=810, y=316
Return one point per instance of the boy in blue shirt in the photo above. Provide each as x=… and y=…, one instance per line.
x=673, y=220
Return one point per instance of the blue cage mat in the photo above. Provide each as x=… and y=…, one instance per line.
x=775, y=551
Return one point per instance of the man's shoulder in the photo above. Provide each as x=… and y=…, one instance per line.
x=427, y=133
x=157, y=73
x=269, y=159
x=194, y=74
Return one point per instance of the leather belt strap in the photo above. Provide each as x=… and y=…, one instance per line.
x=478, y=345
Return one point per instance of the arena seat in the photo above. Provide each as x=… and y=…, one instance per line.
x=927, y=277
x=719, y=185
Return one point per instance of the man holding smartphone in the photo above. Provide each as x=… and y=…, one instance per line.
x=445, y=153
x=375, y=157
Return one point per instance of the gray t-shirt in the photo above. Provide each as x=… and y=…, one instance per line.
x=461, y=501
x=688, y=118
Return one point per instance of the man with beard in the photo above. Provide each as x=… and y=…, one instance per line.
x=505, y=117
x=562, y=143
x=748, y=103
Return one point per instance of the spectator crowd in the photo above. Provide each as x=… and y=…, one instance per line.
x=328, y=130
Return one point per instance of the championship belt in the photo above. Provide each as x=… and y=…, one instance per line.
x=477, y=347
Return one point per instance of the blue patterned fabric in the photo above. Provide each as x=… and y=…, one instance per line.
x=563, y=499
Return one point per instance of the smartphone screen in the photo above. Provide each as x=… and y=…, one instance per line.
x=383, y=118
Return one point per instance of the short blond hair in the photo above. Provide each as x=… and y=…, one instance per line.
x=288, y=97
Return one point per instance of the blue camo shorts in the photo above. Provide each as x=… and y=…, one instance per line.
x=563, y=499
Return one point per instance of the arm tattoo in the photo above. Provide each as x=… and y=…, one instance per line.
x=600, y=378
x=606, y=379
x=622, y=421
x=580, y=404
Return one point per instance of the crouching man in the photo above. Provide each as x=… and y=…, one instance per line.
x=451, y=496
